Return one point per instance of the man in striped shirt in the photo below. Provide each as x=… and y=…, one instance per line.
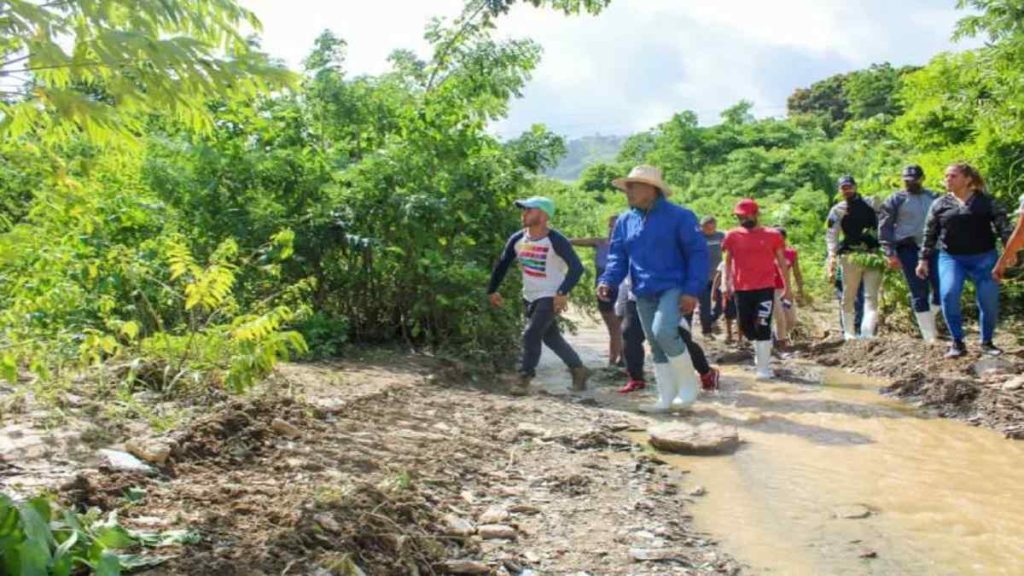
x=550, y=270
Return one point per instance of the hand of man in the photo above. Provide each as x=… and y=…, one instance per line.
x=687, y=304
x=561, y=303
x=831, y=269
x=496, y=300
x=894, y=263
x=922, y=270
x=604, y=292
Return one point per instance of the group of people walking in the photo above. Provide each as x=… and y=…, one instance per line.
x=660, y=264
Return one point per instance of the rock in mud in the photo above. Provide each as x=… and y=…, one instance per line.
x=285, y=428
x=990, y=365
x=1014, y=384
x=456, y=526
x=152, y=451
x=707, y=438
x=496, y=531
x=656, y=554
x=328, y=523
x=698, y=491
x=852, y=512
x=494, y=515
x=466, y=567
x=123, y=462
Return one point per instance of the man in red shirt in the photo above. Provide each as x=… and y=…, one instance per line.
x=753, y=256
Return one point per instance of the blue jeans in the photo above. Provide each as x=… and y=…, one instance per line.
x=919, y=289
x=659, y=315
x=953, y=270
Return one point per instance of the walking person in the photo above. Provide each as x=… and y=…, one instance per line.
x=851, y=237
x=612, y=322
x=633, y=347
x=901, y=233
x=1013, y=246
x=725, y=306
x=550, y=269
x=786, y=308
x=714, y=238
x=963, y=228
x=660, y=247
x=753, y=256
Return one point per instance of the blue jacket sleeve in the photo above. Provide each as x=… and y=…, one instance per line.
x=617, y=268
x=565, y=251
x=695, y=254
x=508, y=256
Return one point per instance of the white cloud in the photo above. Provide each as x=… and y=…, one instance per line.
x=640, y=61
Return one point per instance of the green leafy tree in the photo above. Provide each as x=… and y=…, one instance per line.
x=99, y=65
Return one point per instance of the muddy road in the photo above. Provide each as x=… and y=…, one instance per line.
x=390, y=465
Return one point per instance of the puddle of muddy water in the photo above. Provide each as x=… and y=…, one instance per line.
x=945, y=498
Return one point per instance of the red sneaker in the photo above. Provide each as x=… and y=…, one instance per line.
x=709, y=381
x=633, y=386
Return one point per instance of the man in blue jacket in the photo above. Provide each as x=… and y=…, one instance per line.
x=661, y=247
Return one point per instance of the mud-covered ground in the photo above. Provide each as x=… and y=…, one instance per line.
x=981, y=390
x=400, y=467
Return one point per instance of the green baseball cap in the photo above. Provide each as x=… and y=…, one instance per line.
x=539, y=202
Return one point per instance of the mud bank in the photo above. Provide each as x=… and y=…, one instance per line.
x=980, y=390
x=388, y=468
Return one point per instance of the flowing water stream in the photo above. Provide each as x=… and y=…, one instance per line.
x=943, y=497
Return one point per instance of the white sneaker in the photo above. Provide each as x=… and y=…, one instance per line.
x=667, y=389
x=687, y=388
x=763, y=360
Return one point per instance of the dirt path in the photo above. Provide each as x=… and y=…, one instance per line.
x=393, y=466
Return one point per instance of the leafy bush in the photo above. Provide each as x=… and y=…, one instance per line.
x=38, y=538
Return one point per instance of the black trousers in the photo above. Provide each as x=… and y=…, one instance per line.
x=633, y=345
x=542, y=328
x=755, y=312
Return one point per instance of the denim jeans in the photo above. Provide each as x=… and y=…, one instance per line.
x=659, y=315
x=953, y=270
x=919, y=289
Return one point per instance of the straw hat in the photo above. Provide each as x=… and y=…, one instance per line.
x=645, y=175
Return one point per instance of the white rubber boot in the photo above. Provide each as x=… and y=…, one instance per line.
x=869, y=323
x=763, y=360
x=667, y=389
x=687, y=388
x=848, y=333
x=926, y=321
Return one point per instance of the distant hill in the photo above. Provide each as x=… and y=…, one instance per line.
x=583, y=152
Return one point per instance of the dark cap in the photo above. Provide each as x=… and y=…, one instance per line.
x=846, y=180
x=913, y=172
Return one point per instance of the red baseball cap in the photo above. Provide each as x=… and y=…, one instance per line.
x=746, y=207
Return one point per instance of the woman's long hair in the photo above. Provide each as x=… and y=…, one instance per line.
x=977, y=182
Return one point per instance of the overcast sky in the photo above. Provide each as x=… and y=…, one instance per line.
x=640, y=61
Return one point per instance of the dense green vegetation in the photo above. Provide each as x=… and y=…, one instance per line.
x=195, y=212
x=869, y=123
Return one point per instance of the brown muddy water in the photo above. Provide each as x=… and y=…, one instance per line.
x=942, y=497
